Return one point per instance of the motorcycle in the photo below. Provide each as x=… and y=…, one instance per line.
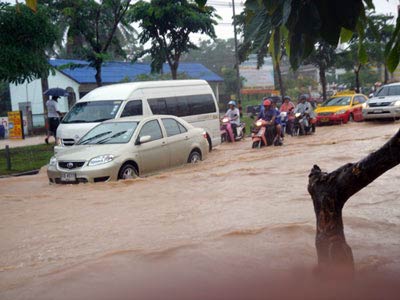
x=301, y=125
x=227, y=131
x=258, y=134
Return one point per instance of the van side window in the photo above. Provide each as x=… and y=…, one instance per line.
x=173, y=127
x=133, y=108
x=153, y=129
x=201, y=104
x=182, y=106
x=158, y=106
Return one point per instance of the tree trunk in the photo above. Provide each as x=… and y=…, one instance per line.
x=330, y=191
x=174, y=72
x=98, y=73
x=45, y=86
x=279, y=75
x=386, y=73
x=322, y=79
x=357, y=74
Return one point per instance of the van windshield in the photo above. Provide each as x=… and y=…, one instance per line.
x=92, y=111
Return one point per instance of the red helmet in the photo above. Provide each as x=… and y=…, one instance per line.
x=267, y=102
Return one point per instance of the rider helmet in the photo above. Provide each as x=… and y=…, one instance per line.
x=286, y=98
x=303, y=97
x=232, y=103
x=267, y=102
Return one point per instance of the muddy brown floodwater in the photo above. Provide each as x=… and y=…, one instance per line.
x=238, y=225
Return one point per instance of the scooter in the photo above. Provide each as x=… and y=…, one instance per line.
x=302, y=125
x=227, y=131
x=258, y=134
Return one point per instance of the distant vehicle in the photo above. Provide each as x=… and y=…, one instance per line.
x=193, y=100
x=385, y=104
x=342, y=108
x=127, y=148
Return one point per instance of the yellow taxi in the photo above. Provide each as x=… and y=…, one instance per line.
x=341, y=108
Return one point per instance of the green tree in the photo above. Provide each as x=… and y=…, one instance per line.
x=167, y=25
x=216, y=54
x=323, y=57
x=25, y=37
x=301, y=24
x=94, y=29
x=260, y=38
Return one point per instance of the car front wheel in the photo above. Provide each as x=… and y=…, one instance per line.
x=128, y=171
x=194, y=157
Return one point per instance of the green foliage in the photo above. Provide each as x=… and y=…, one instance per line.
x=214, y=54
x=167, y=26
x=367, y=78
x=24, y=38
x=25, y=159
x=308, y=22
x=154, y=76
x=298, y=86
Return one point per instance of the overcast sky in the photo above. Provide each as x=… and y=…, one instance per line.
x=224, y=9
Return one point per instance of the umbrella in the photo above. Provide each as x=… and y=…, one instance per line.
x=58, y=92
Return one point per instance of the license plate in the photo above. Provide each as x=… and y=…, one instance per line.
x=378, y=111
x=325, y=120
x=68, y=177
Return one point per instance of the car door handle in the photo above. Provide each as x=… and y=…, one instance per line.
x=186, y=137
x=163, y=144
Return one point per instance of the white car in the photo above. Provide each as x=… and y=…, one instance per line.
x=129, y=147
x=385, y=104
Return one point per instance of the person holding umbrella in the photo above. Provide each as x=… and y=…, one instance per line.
x=53, y=117
x=53, y=113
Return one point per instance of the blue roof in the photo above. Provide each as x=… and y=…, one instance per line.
x=114, y=72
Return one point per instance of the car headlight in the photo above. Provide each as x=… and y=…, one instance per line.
x=365, y=105
x=101, y=159
x=340, y=112
x=396, y=103
x=53, y=161
x=58, y=142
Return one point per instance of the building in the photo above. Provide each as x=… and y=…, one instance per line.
x=78, y=78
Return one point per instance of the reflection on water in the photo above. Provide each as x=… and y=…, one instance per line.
x=239, y=222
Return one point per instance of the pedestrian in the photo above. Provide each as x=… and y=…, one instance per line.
x=53, y=117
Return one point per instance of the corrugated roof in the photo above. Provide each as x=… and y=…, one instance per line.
x=114, y=72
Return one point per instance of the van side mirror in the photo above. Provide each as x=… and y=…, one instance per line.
x=143, y=139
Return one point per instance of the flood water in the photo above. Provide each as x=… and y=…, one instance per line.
x=238, y=225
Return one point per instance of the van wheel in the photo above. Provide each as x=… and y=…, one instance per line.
x=128, y=171
x=194, y=157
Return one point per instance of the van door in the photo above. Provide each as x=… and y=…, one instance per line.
x=178, y=141
x=154, y=154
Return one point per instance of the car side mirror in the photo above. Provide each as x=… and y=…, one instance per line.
x=356, y=102
x=143, y=139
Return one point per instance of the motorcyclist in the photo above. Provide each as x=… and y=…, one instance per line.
x=288, y=107
x=270, y=115
x=233, y=114
x=304, y=107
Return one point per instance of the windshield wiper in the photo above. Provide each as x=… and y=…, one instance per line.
x=94, y=137
x=100, y=120
x=111, y=137
x=75, y=121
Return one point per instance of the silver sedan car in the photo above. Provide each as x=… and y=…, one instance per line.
x=129, y=147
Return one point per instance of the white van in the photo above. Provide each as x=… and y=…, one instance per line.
x=192, y=100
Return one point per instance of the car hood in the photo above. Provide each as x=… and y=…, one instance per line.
x=384, y=99
x=332, y=109
x=86, y=152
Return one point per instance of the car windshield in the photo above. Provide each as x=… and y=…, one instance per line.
x=109, y=133
x=92, y=111
x=337, y=101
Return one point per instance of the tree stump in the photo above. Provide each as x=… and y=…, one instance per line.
x=330, y=191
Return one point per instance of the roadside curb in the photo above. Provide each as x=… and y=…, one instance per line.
x=32, y=172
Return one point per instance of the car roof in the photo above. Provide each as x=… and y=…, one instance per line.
x=391, y=84
x=145, y=118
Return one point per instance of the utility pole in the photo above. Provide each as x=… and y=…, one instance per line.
x=238, y=82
